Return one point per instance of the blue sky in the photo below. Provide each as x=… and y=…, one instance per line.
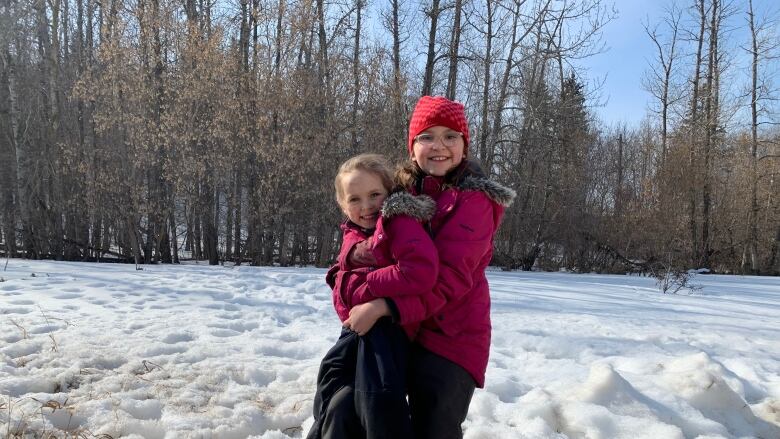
x=625, y=61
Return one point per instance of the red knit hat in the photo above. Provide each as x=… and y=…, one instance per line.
x=431, y=111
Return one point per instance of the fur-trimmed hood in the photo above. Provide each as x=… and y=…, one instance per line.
x=494, y=190
x=419, y=207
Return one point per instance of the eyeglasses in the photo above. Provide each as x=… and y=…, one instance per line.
x=449, y=139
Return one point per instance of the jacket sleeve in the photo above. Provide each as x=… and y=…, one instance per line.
x=415, y=309
x=416, y=264
x=360, y=255
x=462, y=241
x=349, y=241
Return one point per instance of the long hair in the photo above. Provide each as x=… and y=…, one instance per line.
x=408, y=174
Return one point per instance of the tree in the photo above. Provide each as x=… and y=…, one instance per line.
x=430, y=61
x=762, y=49
x=659, y=81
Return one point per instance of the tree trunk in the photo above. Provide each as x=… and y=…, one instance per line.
x=209, y=216
x=14, y=170
x=452, y=78
x=356, y=77
x=711, y=109
x=323, y=69
x=430, y=60
x=197, y=247
x=133, y=235
x=753, y=214
x=174, y=236
x=237, y=218
x=486, y=69
x=619, y=183
x=694, y=140
x=398, y=89
x=231, y=207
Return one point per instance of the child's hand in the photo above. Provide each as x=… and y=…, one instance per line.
x=362, y=317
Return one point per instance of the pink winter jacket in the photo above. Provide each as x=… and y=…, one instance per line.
x=407, y=263
x=466, y=219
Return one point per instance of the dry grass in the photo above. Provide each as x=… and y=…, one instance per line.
x=54, y=346
x=22, y=428
x=21, y=328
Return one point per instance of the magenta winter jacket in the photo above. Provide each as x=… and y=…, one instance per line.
x=407, y=263
x=466, y=218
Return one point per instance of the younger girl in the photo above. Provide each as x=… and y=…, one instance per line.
x=385, y=254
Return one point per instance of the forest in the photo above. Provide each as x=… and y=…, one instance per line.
x=154, y=131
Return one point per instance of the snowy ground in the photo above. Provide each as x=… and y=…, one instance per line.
x=220, y=352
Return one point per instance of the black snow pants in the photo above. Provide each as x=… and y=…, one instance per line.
x=361, y=386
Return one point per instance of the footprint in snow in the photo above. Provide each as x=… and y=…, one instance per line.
x=67, y=296
x=16, y=310
x=236, y=326
x=12, y=338
x=44, y=329
x=224, y=333
x=22, y=348
x=22, y=302
x=177, y=338
x=507, y=389
x=158, y=349
x=10, y=287
x=229, y=316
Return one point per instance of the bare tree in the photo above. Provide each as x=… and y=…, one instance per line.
x=452, y=77
x=763, y=48
x=659, y=81
x=430, y=61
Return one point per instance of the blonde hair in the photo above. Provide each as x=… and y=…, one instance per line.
x=372, y=163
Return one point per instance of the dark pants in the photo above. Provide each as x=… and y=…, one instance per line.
x=440, y=392
x=361, y=386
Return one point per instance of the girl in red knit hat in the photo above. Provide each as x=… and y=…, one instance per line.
x=450, y=353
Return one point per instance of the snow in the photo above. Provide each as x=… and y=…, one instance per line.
x=232, y=352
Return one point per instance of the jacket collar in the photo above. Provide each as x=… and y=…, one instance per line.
x=494, y=190
x=420, y=207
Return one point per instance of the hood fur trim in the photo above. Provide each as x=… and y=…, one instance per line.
x=420, y=207
x=495, y=191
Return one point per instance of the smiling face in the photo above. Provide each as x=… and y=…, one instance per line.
x=438, y=159
x=361, y=197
